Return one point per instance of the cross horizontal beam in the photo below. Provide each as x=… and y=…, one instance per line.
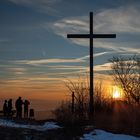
x=91, y=36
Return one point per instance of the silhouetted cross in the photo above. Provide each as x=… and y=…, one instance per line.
x=90, y=36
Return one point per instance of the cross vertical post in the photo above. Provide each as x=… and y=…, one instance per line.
x=90, y=36
x=91, y=101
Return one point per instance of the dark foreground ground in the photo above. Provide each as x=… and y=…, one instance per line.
x=64, y=133
x=27, y=134
x=123, y=120
x=73, y=132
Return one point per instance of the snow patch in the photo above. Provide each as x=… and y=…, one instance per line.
x=44, y=127
x=103, y=135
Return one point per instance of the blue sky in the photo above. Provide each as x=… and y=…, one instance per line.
x=35, y=53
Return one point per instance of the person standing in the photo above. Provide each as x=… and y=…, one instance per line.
x=18, y=105
x=5, y=108
x=26, y=108
x=10, y=107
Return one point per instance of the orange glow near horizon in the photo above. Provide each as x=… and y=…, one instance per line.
x=45, y=95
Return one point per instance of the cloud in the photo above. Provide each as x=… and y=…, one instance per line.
x=45, y=6
x=64, y=67
x=47, y=61
x=17, y=70
x=34, y=3
x=95, y=55
x=68, y=70
x=120, y=20
x=100, y=54
x=56, y=60
x=123, y=21
x=69, y=25
x=43, y=79
x=118, y=47
x=100, y=71
x=102, y=67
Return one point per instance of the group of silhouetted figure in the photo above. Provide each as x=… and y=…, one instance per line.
x=8, y=112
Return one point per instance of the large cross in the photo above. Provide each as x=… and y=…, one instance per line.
x=90, y=36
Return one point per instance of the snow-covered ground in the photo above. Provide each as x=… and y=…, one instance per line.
x=44, y=127
x=103, y=135
x=100, y=134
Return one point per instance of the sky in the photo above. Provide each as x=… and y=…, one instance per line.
x=36, y=56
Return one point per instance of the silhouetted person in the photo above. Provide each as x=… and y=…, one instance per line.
x=5, y=108
x=18, y=104
x=10, y=107
x=26, y=108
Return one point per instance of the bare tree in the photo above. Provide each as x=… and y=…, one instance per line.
x=98, y=91
x=76, y=108
x=80, y=88
x=126, y=72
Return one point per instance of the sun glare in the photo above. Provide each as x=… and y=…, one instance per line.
x=116, y=92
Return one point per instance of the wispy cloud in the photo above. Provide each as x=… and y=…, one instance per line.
x=56, y=60
x=69, y=25
x=103, y=67
x=48, y=61
x=122, y=21
x=101, y=53
x=40, y=5
x=17, y=70
x=118, y=47
x=64, y=67
x=119, y=20
x=95, y=55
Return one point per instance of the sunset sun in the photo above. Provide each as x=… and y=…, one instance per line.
x=116, y=92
